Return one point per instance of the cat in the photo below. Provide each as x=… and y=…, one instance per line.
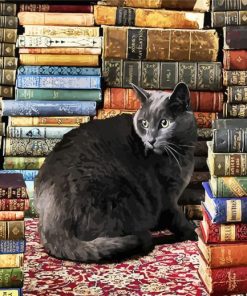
x=109, y=182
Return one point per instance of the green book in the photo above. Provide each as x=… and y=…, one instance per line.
x=11, y=277
x=23, y=163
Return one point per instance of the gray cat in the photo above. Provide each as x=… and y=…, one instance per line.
x=109, y=182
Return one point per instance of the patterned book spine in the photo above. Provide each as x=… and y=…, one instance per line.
x=53, y=70
x=48, y=108
x=55, y=8
x=8, y=9
x=44, y=41
x=61, y=31
x=22, y=163
x=119, y=98
x=12, y=246
x=234, y=78
x=152, y=18
x=226, y=5
x=6, y=91
x=229, y=186
x=235, y=37
x=11, y=192
x=10, y=22
x=235, y=59
x=28, y=175
x=56, y=19
x=62, y=50
x=8, y=35
x=237, y=94
x=8, y=63
x=204, y=119
x=28, y=147
x=14, y=204
x=204, y=133
x=167, y=44
x=228, y=18
x=11, y=292
x=11, y=216
x=198, y=178
x=11, y=277
x=228, y=123
x=7, y=49
x=7, y=76
x=107, y=113
x=58, y=82
x=192, y=212
x=13, y=230
x=11, y=260
x=234, y=110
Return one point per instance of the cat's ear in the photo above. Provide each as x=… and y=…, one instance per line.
x=180, y=98
x=143, y=96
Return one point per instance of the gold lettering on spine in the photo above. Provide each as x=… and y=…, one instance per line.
x=232, y=282
x=233, y=210
x=234, y=186
x=227, y=233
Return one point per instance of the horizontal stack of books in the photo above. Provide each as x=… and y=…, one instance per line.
x=13, y=202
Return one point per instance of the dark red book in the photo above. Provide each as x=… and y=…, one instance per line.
x=12, y=186
x=19, y=204
x=235, y=59
x=35, y=7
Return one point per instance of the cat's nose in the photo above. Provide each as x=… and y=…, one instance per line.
x=151, y=142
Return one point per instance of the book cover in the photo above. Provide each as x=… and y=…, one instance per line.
x=11, y=292
x=192, y=212
x=8, y=63
x=11, y=216
x=10, y=22
x=228, y=5
x=11, y=260
x=13, y=230
x=228, y=123
x=7, y=76
x=6, y=91
x=228, y=18
x=28, y=175
x=8, y=35
x=20, y=163
x=12, y=186
x=11, y=277
x=8, y=8
x=234, y=110
x=235, y=59
x=19, y=204
x=235, y=37
x=204, y=133
x=234, y=77
x=61, y=50
x=12, y=246
x=7, y=49
x=38, y=7
x=237, y=94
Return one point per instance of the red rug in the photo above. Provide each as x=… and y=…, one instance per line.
x=169, y=270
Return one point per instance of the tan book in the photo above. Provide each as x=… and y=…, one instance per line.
x=2, y=128
x=58, y=60
x=11, y=215
x=12, y=230
x=7, y=76
x=6, y=91
x=56, y=19
x=151, y=18
x=160, y=44
x=8, y=35
x=11, y=260
x=22, y=163
x=62, y=50
x=107, y=113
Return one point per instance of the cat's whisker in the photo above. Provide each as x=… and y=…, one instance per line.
x=175, y=150
x=174, y=157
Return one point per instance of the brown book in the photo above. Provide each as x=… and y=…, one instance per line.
x=12, y=230
x=2, y=128
x=58, y=60
x=204, y=133
x=228, y=18
x=8, y=9
x=8, y=63
x=11, y=260
x=160, y=44
x=11, y=215
x=234, y=78
x=193, y=212
x=12, y=186
x=62, y=50
x=107, y=113
x=7, y=76
x=234, y=110
x=228, y=5
x=204, y=119
x=8, y=35
x=10, y=22
x=201, y=148
x=200, y=163
x=150, y=18
x=235, y=59
x=6, y=91
x=7, y=49
x=35, y=7
x=199, y=177
x=235, y=37
x=19, y=204
x=56, y=19
x=237, y=94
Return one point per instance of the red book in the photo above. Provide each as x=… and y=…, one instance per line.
x=204, y=119
x=221, y=233
x=14, y=204
x=12, y=186
x=35, y=7
x=235, y=59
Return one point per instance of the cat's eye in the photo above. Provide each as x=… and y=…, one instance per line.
x=145, y=123
x=164, y=123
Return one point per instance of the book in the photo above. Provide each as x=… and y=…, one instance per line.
x=20, y=204
x=201, y=148
x=28, y=147
x=224, y=209
x=56, y=19
x=2, y=128
x=235, y=37
x=26, y=59
x=8, y=9
x=221, y=233
x=28, y=175
x=235, y=59
x=162, y=75
x=197, y=178
x=36, y=132
x=200, y=163
x=228, y=123
x=6, y=91
x=237, y=94
x=11, y=292
x=13, y=230
x=62, y=50
x=11, y=216
x=38, y=7
x=65, y=121
x=47, y=108
x=23, y=94
x=7, y=76
x=8, y=35
x=226, y=164
x=226, y=5
x=10, y=22
x=234, y=110
x=8, y=63
x=12, y=186
x=12, y=246
x=7, y=49
x=192, y=196
x=58, y=82
x=204, y=133
x=229, y=18
x=160, y=44
x=192, y=212
x=21, y=163
x=11, y=277
x=234, y=77
x=11, y=260
x=152, y=18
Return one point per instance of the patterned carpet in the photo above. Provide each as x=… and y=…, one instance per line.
x=169, y=270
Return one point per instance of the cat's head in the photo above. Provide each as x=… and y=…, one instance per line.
x=164, y=119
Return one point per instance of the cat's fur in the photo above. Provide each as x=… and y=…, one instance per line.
x=109, y=182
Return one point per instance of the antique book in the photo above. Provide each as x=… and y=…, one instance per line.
x=204, y=133
x=2, y=128
x=223, y=281
x=7, y=76
x=204, y=119
x=234, y=110
x=38, y=7
x=14, y=230
x=20, y=204
x=7, y=49
x=23, y=94
x=235, y=59
x=192, y=196
x=12, y=246
x=61, y=31
x=201, y=148
x=62, y=50
x=226, y=5
x=226, y=164
x=47, y=108
x=11, y=292
x=22, y=163
x=6, y=91
x=224, y=209
x=58, y=60
x=197, y=178
x=10, y=22
x=28, y=147
x=221, y=233
x=11, y=260
x=192, y=212
x=229, y=18
x=228, y=123
x=28, y=175
x=237, y=94
x=58, y=82
x=64, y=121
x=12, y=186
x=234, y=77
x=152, y=18
x=162, y=75
x=196, y=5
x=11, y=216
x=8, y=9
x=8, y=63
x=160, y=44
x=200, y=163
x=8, y=35
x=235, y=37
x=11, y=277
x=56, y=19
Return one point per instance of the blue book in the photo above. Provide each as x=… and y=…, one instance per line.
x=225, y=209
x=58, y=70
x=12, y=246
x=11, y=292
x=28, y=175
x=48, y=108
x=58, y=82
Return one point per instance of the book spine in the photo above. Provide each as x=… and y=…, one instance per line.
x=12, y=192
x=58, y=60
x=12, y=246
x=8, y=35
x=206, y=101
x=21, y=163
x=65, y=121
x=204, y=133
x=11, y=260
x=53, y=70
x=131, y=3
x=45, y=108
x=56, y=19
x=107, y=113
x=58, y=82
x=55, y=8
x=7, y=76
x=192, y=212
x=237, y=94
x=201, y=148
x=227, y=5
x=11, y=292
x=235, y=59
x=235, y=37
x=7, y=49
x=2, y=128
x=11, y=216
x=28, y=147
x=28, y=175
x=204, y=119
x=6, y=91
x=234, y=110
x=198, y=177
x=8, y=63
x=8, y=9
x=10, y=22
x=61, y=50
x=228, y=18
x=200, y=163
x=11, y=277
x=133, y=44
x=234, y=78
x=13, y=230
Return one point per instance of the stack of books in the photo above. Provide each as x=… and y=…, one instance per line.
x=155, y=45
x=13, y=202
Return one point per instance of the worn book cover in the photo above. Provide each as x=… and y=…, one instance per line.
x=12, y=186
